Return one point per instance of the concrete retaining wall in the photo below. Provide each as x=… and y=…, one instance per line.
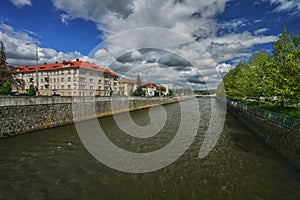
x=282, y=139
x=25, y=114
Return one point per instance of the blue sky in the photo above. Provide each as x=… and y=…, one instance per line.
x=229, y=30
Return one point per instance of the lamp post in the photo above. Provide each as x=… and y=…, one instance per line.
x=36, y=68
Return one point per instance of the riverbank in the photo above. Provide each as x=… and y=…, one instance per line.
x=20, y=115
x=284, y=140
x=291, y=111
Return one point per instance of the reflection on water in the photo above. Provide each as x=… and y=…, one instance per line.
x=53, y=164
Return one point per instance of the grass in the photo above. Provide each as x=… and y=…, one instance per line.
x=290, y=111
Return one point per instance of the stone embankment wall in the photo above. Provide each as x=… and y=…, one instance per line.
x=25, y=114
x=284, y=140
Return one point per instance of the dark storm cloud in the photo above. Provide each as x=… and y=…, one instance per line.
x=163, y=58
x=169, y=59
x=128, y=58
x=196, y=79
x=94, y=10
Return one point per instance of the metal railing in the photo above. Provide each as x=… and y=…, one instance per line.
x=287, y=121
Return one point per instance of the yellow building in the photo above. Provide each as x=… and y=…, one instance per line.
x=70, y=78
x=126, y=87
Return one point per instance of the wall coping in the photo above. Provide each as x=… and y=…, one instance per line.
x=18, y=101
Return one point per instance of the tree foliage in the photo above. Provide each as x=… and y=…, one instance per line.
x=6, y=88
x=286, y=67
x=8, y=73
x=265, y=75
x=31, y=91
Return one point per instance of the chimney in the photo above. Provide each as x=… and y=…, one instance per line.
x=56, y=62
x=45, y=63
x=77, y=59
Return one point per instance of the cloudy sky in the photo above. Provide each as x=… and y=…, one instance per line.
x=186, y=42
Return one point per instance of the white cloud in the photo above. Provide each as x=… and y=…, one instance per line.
x=260, y=31
x=291, y=6
x=224, y=68
x=194, y=18
x=233, y=25
x=197, y=38
x=286, y=5
x=64, y=18
x=18, y=53
x=21, y=3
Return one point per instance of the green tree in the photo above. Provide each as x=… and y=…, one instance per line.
x=8, y=72
x=259, y=71
x=236, y=81
x=31, y=91
x=286, y=67
x=6, y=88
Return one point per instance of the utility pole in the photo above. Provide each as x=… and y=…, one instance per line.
x=36, y=64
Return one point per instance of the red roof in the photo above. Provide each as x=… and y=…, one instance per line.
x=150, y=85
x=124, y=80
x=66, y=65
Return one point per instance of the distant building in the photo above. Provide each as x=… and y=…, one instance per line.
x=70, y=78
x=126, y=87
x=150, y=89
x=168, y=88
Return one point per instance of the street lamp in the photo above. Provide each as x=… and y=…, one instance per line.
x=36, y=63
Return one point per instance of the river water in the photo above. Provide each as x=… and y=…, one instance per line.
x=54, y=164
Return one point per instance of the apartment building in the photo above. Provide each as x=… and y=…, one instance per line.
x=126, y=87
x=70, y=78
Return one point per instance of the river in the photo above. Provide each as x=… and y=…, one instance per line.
x=54, y=164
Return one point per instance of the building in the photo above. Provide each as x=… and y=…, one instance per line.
x=70, y=78
x=150, y=89
x=168, y=89
x=126, y=87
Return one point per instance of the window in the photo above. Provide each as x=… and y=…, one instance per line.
x=91, y=80
x=62, y=72
x=54, y=80
x=91, y=87
x=69, y=71
x=99, y=82
x=82, y=80
x=69, y=86
x=62, y=80
x=62, y=87
x=69, y=79
x=42, y=80
x=82, y=72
